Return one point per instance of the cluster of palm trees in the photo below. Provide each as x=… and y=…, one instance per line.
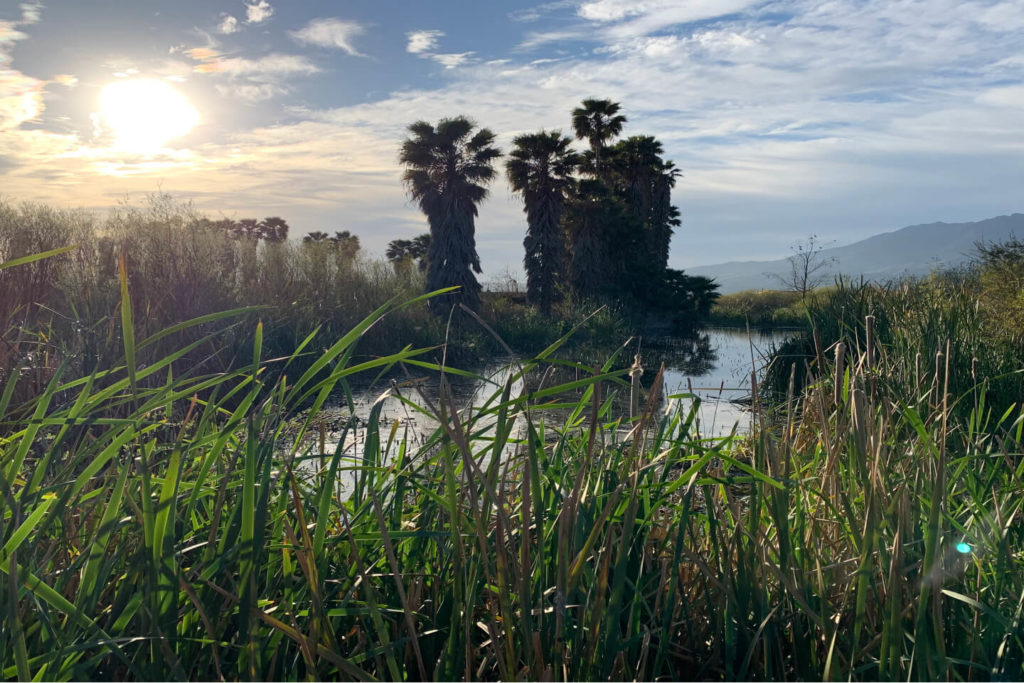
x=344, y=241
x=599, y=222
x=272, y=229
x=403, y=253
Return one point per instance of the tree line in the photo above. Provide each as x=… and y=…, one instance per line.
x=599, y=222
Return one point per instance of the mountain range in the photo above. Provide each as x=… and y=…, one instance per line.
x=913, y=250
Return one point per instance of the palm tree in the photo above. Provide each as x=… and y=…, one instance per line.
x=447, y=169
x=315, y=236
x=589, y=222
x=645, y=181
x=273, y=229
x=664, y=216
x=597, y=122
x=347, y=244
x=401, y=252
x=540, y=168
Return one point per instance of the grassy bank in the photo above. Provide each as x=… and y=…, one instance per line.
x=766, y=308
x=911, y=321
x=149, y=532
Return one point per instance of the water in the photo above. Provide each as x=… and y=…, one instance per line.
x=715, y=363
x=723, y=384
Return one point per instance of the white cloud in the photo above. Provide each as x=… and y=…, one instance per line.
x=21, y=96
x=612, y=10
x=21, y=99
x=258, y=12
x=1008, y=96
x=67, y=80
x=331, y=32
x=452, y=60
x=228, y=25
x=271, y=65
x=252, y=92
x=1003, y=16
x=31, y=12
x=422, y=41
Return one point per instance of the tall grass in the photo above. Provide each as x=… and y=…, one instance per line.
x=165, y=525
x=62, y=312
x=911, y=322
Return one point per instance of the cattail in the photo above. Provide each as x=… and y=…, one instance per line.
x=869, y=340
x=840, y=359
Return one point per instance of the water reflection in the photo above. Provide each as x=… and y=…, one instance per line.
x=714, y=365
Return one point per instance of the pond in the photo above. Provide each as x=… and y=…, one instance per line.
x=714, y=364
x=723, y=385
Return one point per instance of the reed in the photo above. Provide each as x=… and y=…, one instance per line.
x=164, y=524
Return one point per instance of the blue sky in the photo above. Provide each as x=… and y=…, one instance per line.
x=788, y=118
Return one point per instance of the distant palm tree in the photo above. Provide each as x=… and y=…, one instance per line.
x=273, y=229
x=347, y=243
x=540, y=168
x=406, y=251
x=248, y=228
x=315, y=236
x=597, y=122
x=447, y=169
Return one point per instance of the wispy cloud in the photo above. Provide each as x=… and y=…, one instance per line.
x=251, y=92
x=67, y=80
x=21, y=96
x=331, y=32
x=228, y=25
x=608, y=20
x=452, y=59
x=422, y=41
x=250, y=80
x=258, y=12
x=530, y=14
x=211, y=61
x=31, y=12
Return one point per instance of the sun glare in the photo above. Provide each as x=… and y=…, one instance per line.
x=145, y=114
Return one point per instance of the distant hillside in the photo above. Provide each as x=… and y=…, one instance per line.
x=914, y=250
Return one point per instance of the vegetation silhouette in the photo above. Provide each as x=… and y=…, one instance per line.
x=540, y=168
x=447, y=170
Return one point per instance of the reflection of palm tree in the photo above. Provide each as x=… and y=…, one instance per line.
x=540, y=168
x=447, y=168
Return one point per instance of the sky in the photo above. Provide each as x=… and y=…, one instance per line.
x=787, y=118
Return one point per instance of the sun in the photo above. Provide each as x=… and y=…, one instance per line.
x=145, y=114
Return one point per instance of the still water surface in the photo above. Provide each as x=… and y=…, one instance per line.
x=716, y=364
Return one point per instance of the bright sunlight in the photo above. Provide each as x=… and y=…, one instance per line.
x=145, y=114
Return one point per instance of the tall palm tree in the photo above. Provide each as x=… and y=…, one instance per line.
x=540, y=168
x=447, y=169
x=597, y=122
x=645, y=180
x=664, y=216
x=591, y=218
